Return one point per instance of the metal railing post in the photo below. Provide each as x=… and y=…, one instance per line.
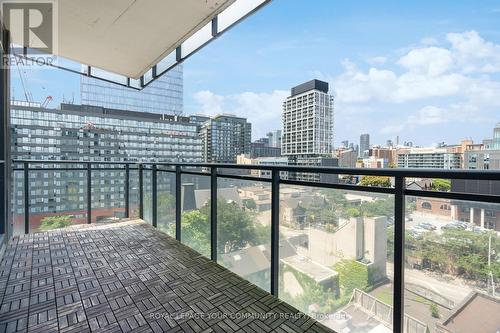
x=213, y=213
x=154, y=189
x=127, y=190
x=26, y=199
x=178, y=199
x=141, y=193
x=275, y=229
x=399, y=244
x=89, y=192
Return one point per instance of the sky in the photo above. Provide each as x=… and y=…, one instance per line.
x=426, y=71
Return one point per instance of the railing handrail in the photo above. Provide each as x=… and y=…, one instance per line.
x=388, y=172
x=398, y=191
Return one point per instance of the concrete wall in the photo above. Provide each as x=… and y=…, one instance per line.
x=328, y=248
x=358, y=239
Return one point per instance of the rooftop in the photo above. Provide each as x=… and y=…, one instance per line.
x=463, y=319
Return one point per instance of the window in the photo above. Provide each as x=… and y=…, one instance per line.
x=426, y=205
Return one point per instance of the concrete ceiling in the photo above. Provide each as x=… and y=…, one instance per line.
x=128, y=37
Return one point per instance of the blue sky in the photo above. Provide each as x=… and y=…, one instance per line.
x=428, y=71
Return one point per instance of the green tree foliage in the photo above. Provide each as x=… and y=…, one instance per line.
x=55, y=222
x=352, y=275
x=236, y=228
x=443, y=185
x=379, y=207
x=433, y=308
x=378, y=181
x=313, y=293
x=458, y=252
x=196, y=231
x=250, y=204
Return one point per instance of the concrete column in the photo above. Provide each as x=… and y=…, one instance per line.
x=471, y=215
x=482, y=217
x=454, y=211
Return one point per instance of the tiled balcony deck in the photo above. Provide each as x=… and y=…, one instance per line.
x=129, y=277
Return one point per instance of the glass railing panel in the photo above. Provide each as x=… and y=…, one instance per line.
x=452, y=265
x=334, y=252
x=166, y=202
x=147, y=179
x=57, y=198
x=133, y=193
x=17, y=200
x=108, y=194
x=244, y=229
x=195, y=212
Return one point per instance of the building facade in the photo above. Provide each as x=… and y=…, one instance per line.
x=164, y=95
x=274, y=138
x=224, y=137
x=263, y=148
x=347, y=158
x=484, y=155
x=429, y=158
x=364, y=144
x=308, y=129
x=485, y=215
x=308, y=121
x=86, y=133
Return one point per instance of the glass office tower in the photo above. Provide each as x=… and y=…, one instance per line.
x=165, y=95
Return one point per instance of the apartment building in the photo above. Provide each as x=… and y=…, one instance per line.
x=224, y=137
x=485, y=155
x=308, y=120
x=263, y=148
x=86, y=133
x=364, y=145
x=308, y=128
x=429, y=158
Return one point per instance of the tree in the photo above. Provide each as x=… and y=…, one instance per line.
x=196, y=231
x=378, y=181
x=433, y=308
x=55, y=222
x=250, y=204
x=443, y=185
x=236, y=228
x=379, y=207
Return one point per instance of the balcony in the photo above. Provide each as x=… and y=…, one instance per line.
x=183, y=242
x=108, y=223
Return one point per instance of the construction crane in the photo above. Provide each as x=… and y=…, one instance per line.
x=47, y=101
x=27, y=94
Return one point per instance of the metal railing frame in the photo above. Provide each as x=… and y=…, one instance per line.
x=212, y=170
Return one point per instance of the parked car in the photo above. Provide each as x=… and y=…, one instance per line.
x=427, y=226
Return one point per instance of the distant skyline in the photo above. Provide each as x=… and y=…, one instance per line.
x=426, y=71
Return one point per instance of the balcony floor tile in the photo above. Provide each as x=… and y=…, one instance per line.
x=129, y=277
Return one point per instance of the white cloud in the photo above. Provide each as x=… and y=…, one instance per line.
x=431, y=61
x=210, y=103
x=429, y=41
x=428, y=72
x=377, y=60
x=263, y=110
x=429, y=115
x=473, y=53
x=452, y=79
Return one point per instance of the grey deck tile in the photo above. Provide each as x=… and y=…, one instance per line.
x=128, y=277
